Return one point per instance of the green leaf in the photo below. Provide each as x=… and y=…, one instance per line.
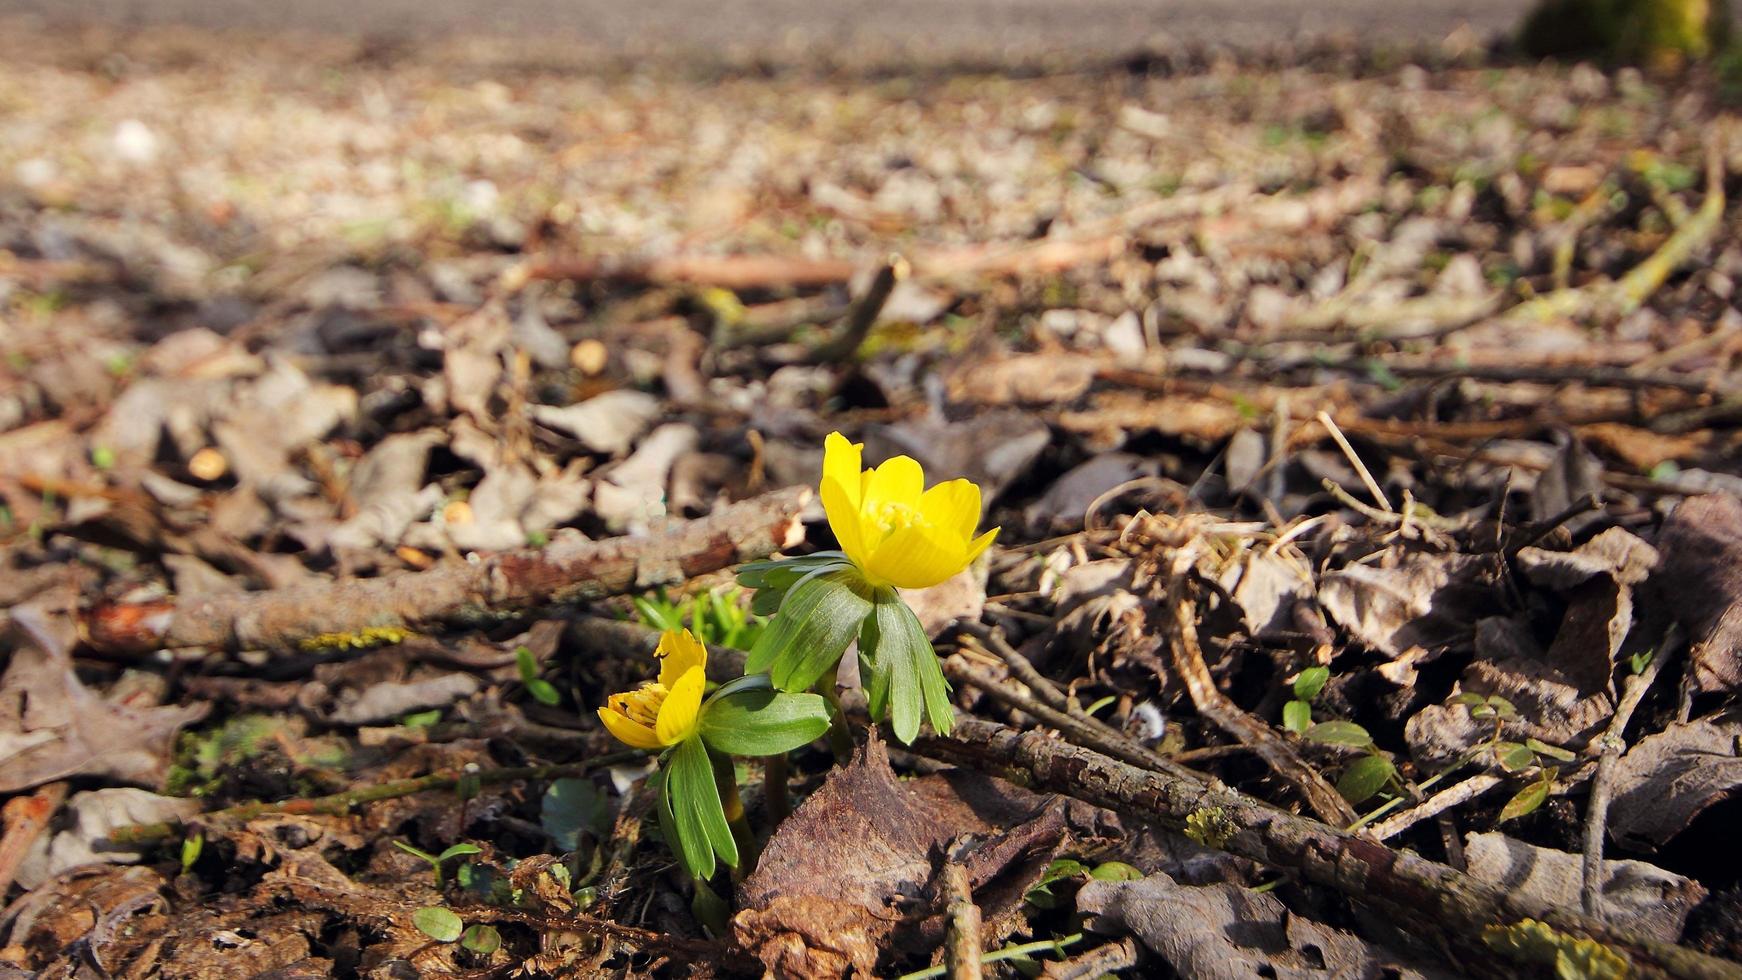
x=1340, y=733
x=191, y=846
x=570, y=806
x=459, y=850
x=781, y=573
x=1526, y=800
x=544, y=692
x=1115, y=871
x=1310, y=682
x=906, y=679
x=1297, y=716
x=528, y=665
x=482, y=939
x=820, y=616
x=698, y=815
x=416, y=851
x=1365, y=777
x=438, y=923
x=1513, y=756
x=1552, y=751
x=763, y=722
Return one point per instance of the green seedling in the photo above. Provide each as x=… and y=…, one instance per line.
x=437, y=860
x=542, y=691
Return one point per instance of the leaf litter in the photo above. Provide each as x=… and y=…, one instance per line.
x=1414, y=369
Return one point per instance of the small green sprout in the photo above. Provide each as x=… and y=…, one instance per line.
x=542, y=691
x=437, y=860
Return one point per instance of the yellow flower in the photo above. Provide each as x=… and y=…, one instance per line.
x=896, y=531
x=667, y=711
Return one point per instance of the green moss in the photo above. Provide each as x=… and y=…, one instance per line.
x=1211, y=826
x=363, y=639
x=1571, y=957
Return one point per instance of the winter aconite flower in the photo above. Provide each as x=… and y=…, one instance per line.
x=664, y=712
x=890, y=526
x=695, y=734
x=894, y=533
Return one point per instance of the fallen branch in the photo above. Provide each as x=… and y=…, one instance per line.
x=344, y=613
x=339, y=804
x=1078, y=729
x=1443, y=906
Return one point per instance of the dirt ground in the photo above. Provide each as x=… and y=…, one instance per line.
x=1361, y=425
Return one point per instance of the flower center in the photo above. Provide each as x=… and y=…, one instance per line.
x=640, y=706
x=892, y=516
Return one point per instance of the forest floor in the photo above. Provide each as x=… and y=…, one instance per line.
x=1363, y=429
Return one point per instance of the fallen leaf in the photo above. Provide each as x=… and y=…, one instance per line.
x=1641, y=896
x=90, y=817
x=1023, y=379
x=1700, y=581
x=1424, y=600
x=1666, y=780
x=852, y=865
x=607, y=424
x=52, y=726
x=1226, y=931
x=993, y=449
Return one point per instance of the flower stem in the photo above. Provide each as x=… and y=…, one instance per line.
x=840, y=740
x=727, y=780
x=774, y=795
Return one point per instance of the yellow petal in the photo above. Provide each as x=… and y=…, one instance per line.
x=628, y=732
x=898, y=481
x=953, y=505
x=682, y=708
x=918, y=557
x=842, y=509
x=678, y=651
x=980, y=544
x=843, y=463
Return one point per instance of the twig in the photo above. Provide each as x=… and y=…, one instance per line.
x=1175, y=616
x=484, y=589
x=962, y=946
x=1542, y=529
x=992, y=638
x=337, y=804
x=1055, y=946
x=1099, y=961
x=26, y=818
x=1354, y=460
x=1119, y=745
x=1436, y=901
x=864, y=315
x=1613, y=742
x=1433, y=806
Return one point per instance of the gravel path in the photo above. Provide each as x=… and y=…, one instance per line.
x=955, y=28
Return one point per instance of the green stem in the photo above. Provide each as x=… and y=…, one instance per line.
x=840, y=739
x=774, y=792
x=1007, y=953
x=727, y=781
